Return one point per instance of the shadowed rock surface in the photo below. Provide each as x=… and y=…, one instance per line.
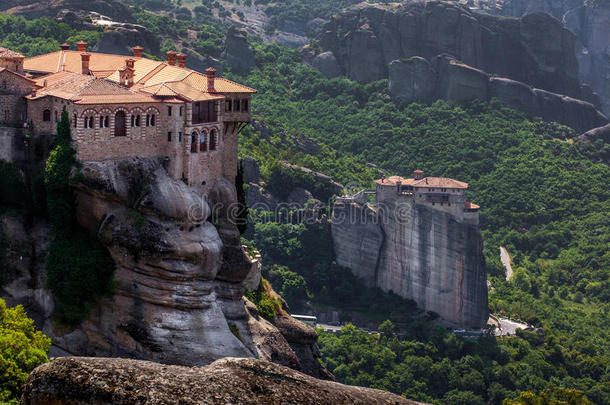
x=101, y=381
x=418, y=253
x=416, y=79
x=180, y=278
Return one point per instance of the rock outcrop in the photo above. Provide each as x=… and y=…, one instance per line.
x=237, y=52
x=101, y=381
x=373, y=41
x=181, y=274
x=419, y=253
x=535, y=49
x=416, y=79
x=590, y=21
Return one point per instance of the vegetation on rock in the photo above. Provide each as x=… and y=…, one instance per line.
x=22, y=349
x=79, y=268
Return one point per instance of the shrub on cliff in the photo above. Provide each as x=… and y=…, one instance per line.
x=22, y=349
x=79, y=269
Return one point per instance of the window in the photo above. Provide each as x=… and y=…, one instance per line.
x=91, y=125
x=244, y=105
x=180, y=137
x=4, y=84
x=169, y=111
x=180, y=111
x=150, y=120
x=169, y=137
x=202, y=143
x=104, y=121
x=56, y=116
x=213, y=139
x=236, y=105
x=204, y=112
x=133, y=121
x=46, y=115
x=194, y=142
x=137, y=120
x=228, y=106
x=119, y=124
x=75, y=121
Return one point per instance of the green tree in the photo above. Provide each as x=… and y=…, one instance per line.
x=22, y=348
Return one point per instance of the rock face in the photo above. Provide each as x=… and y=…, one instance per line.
x=372, y=41
x=101, y=381
x=590, y=21
x=181, y=273
x=412, y=79
x=535, y=49
x=417, y=253
x=415, y=79
x=238, y=53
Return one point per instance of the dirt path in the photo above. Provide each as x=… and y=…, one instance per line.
x=505, y=258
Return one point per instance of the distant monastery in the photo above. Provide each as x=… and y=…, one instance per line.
x=122, y=106
x=421, y=240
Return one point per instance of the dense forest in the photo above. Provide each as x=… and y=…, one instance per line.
x=543, y=197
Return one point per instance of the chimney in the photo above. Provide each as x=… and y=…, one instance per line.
x=84, y=57
x=181, y=60
x=418, y=174
x=171, y=58
x=81, y=46
x=65, y=47
x=211, y=74
x=137, y=51
x=127, y=73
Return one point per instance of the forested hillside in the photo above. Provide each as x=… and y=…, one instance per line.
x=542, y=198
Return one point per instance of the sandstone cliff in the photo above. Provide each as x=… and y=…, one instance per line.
x=418, y=253
x=416, y=79
x=181, y=273
x=72, y=381
x=371, y=41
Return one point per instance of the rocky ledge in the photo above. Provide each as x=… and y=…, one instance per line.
x=98, y=381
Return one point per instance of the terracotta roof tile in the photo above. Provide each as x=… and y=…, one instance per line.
x=436, y=182
x=440, y=182
x=393, y=180
x=8, y=53
x=151, y=77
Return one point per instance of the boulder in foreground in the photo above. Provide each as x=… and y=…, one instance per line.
x=100, y=381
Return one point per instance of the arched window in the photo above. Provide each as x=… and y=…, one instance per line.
x=119, y=124
x=194, y=142
x=137, y=120
x=133, y=121
x=75, y=120
x=91, y=124
x=46, y=115
x=202, y=144
x=213, y=139
x=152, y=120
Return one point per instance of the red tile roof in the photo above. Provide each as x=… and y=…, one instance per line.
x=8, y=53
